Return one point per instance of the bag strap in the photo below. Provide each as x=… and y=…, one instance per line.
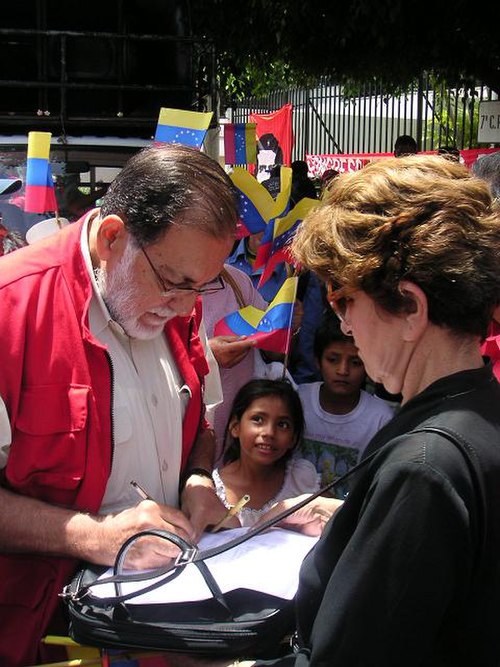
x=228, y=278
x=190, y=553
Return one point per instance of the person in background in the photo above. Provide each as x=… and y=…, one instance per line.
x=102, y=383
x=312, y=295
x=487, y=167
x=273, y=183
x=405, y=145
x=265, y=425
x=302, y=185
x=14, y=220
x=341, y=417
x=450, y=152
x=326, y=178
x=9, y=240
x=235, y=355
x=243, y=258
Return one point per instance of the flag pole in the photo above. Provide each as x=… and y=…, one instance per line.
x=289, y=334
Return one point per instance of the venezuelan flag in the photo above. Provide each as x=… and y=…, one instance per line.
x=270, y=328
x=271, y=253
x=177, y=126
x=255, y=205
x=39, y=193
x=240, y=143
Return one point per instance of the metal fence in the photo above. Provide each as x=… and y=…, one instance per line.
x=330, y=118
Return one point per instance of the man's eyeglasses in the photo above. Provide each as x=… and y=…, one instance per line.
x=338, y=298
x=169, y=289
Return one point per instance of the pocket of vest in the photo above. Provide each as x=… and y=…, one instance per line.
x=49, y=409
x=49, y=444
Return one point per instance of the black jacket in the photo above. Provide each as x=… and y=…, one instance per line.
x=407, y=572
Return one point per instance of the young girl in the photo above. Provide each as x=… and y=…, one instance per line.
x=264, y=427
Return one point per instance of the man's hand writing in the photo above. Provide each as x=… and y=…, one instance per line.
x=112, y=530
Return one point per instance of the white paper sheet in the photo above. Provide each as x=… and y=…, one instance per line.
x=269, y=562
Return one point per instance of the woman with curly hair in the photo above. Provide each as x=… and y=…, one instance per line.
x=407, y=571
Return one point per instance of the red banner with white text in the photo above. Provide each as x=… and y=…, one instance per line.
x=352, y=162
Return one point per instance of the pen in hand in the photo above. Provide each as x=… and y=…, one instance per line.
x=232, y=512
x=140, y=491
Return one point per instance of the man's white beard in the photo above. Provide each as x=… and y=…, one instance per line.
x=123, y=298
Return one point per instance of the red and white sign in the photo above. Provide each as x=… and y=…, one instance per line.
x=353, y=161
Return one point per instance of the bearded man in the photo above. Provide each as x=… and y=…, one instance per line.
x=102, y=381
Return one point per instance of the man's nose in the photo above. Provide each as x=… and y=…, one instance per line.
x=183, y=302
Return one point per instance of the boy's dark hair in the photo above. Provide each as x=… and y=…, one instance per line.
x=405, y=145
x=250, y=392
x=328, y=332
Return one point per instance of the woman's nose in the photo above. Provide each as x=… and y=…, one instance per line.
x=345, y=327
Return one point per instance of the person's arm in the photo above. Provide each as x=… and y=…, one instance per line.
x=310, y=519
x=30, y=525
x=198, y=498
x=230, y=350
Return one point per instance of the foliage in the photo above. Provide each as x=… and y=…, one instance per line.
x=261, y=43
x=455, y=116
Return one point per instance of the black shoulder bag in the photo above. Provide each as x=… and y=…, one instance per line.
x=241, y=622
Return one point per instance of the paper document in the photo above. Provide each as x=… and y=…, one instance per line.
x=269, y=562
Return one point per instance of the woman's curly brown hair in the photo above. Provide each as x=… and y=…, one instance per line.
x=419, y=218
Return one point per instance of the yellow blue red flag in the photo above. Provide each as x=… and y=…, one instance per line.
x=270, y=328
x=178, y=126
x=256, y=207
x=240, y=143
x=276, y=248
x=40, y=195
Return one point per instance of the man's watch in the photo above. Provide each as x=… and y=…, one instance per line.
x=202, y=472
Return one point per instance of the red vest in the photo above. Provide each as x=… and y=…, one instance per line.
x=55, y=380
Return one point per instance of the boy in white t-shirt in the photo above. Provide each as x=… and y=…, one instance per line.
x=340, y=417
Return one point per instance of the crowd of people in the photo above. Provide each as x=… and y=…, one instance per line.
x=111, y=372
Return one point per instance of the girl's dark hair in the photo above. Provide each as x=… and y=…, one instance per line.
x=250, y=392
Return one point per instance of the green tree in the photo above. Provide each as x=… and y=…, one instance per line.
x=258, y=41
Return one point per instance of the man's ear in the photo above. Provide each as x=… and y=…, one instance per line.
x=416, y=316
x=110, y=233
